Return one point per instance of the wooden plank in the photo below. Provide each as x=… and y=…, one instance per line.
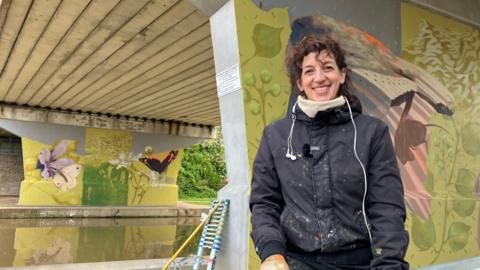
x=182, y=28
x=202, y=79
x=61, y=22
x=137, y=33
x=12, y=16
x=153, y=68
x=4, y=6
x=115, y=20
x=168, y=93
x=164, y=78
x=95, y=12
x=185, y=99
x=149, y=106
x=193, y=107
x=33, y=27
x=194, y=114
x=204, y=113
x=118, y=67
x=206, y=95
x=212, y=119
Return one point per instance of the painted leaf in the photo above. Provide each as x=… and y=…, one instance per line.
x=249, y=79
x=423, y=233
x=254, y=107
x=267, y=40
x=471, y=139
x=465, y=182
x=464, y=207
x=265, y=76
x=275, y=89
x=458, y=236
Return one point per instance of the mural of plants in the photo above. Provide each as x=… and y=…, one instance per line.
x=445, y=49
x=109, y=183
x=107, y=174
x=267, y=41
x=262, y=39
x=105, y=185
x=257, y=92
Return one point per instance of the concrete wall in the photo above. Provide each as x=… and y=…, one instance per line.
x=11, y=164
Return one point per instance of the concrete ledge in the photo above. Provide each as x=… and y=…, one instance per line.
x=117, y=265
x=99, y=211
x=466, y=264
x=14, y=223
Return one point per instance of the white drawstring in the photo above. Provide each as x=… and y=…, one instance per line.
x=363, y=168
x=290, y=153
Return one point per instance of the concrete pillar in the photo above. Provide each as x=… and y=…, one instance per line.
x=234, y=251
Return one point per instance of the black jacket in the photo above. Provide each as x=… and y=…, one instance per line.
x=314, y=203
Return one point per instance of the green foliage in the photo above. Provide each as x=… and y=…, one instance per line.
x=203, y=171
x=458, y=235
x=423, y=233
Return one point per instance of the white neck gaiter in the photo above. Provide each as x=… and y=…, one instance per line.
x=311, y=108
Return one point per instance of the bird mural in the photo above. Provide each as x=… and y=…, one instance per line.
x=390, y=88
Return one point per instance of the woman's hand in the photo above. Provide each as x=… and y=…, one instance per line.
x=274, y=262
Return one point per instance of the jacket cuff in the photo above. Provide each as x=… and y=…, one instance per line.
x=272, y=247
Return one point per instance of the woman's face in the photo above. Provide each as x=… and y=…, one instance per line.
x=321, y=78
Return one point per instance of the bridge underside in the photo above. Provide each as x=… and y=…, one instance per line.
x=142, y=65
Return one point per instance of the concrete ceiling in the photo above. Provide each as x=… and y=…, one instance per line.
x=150, y=59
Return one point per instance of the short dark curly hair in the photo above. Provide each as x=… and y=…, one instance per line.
x=312, y=43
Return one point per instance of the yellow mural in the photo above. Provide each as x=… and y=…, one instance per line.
x=108, y=174
x=448, y=50
x=262, y=38
x=36, y=246
x=40, y=184
x=61, y=245
x=438, y=161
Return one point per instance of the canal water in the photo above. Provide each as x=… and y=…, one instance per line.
x=58, y=241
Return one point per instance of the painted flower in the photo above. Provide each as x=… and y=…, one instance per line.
x=49, y=161
x=124, y=160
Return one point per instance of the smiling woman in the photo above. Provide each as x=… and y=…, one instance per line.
x=338, y=204
x=321, y=78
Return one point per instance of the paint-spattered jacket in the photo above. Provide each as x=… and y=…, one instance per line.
x=314, y=203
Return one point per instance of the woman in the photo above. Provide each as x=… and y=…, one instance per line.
x=326, y=189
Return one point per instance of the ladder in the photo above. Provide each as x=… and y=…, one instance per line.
x=211, y=237
x=212, y=234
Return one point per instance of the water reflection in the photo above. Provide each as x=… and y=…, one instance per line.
x=54, y=241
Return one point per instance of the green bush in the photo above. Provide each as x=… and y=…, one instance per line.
x=202, y=172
